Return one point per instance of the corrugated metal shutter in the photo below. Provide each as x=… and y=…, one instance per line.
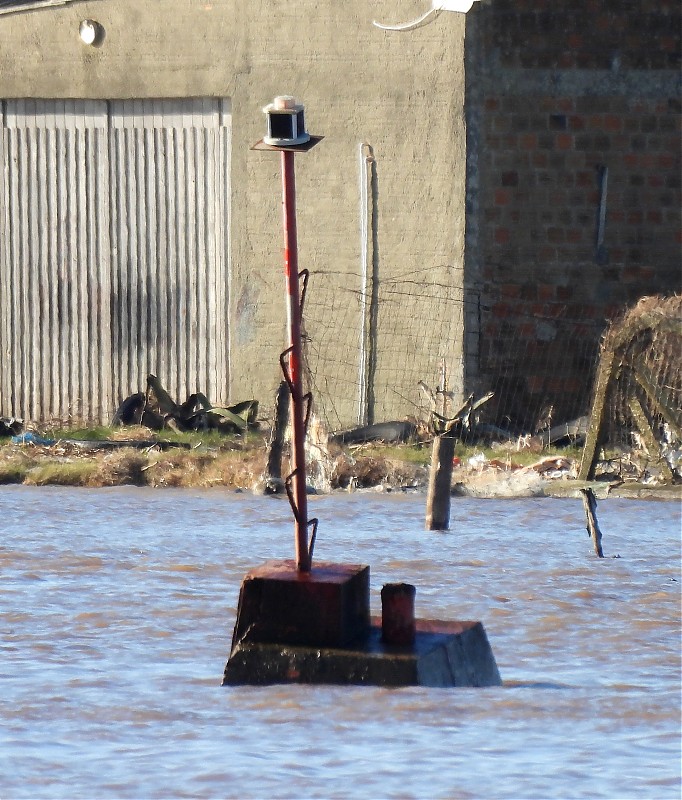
x=113, y=263
x=55, y=303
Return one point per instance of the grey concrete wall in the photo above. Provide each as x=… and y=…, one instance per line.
x=400, y=92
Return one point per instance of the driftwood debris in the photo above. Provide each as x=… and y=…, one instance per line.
x=157, y=410
x=590, y=506
x=10, y=426
x=390, y=432
x=622, y=355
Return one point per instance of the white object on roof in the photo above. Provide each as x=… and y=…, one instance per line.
x=462, y=6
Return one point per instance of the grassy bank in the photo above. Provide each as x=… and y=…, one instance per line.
x=202, y=460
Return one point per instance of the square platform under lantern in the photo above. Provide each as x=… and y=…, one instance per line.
x=326, y=607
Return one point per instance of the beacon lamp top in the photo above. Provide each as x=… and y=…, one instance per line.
x=286, y=123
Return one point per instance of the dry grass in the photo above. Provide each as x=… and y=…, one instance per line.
x=373, y=468
x=55, y=473
x=232, y=462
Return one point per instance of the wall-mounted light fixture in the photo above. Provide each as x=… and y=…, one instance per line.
x=91, y=32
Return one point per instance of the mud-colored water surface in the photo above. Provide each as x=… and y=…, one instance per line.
x=116, y=613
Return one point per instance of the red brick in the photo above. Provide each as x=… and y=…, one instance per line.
x=510, y=178
x=556, y=235
x=535, y=384
x=547, y=254
x=564, y=141
x=573, y=385
x=501, y=123
x=502, y=235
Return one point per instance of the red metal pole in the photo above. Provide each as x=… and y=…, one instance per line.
x=295, y=364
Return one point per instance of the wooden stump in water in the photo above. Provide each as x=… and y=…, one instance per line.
x=440, y=481
x=590, y=506
x=272, y=478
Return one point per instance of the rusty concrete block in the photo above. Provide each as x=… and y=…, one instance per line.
x=326, y=607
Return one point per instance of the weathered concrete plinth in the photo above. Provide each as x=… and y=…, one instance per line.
x=314, y=627
x=444, y=654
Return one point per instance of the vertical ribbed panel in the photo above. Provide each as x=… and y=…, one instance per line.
x=115, y=253
x=168, y=163
x=56, y=226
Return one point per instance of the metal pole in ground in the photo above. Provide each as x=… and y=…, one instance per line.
x=288, y=136
x=295, y=376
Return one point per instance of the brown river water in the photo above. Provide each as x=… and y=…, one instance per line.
x=116, y=614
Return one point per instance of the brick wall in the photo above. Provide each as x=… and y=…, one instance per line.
x=573, y=115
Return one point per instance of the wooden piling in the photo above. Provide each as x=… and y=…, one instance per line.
x=590, y=506
x=272, y=477
x=440, y=481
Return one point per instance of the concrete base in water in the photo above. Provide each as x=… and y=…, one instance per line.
x=314, y=627
x=444, y=654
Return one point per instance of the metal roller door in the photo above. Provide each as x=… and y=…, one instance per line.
x=113, y=261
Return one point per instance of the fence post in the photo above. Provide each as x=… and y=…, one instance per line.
x=440, y=480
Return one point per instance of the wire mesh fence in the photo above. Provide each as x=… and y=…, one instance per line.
x=538, y=355
x=368, y=345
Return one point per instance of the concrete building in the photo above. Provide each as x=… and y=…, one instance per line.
x=140, y=233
